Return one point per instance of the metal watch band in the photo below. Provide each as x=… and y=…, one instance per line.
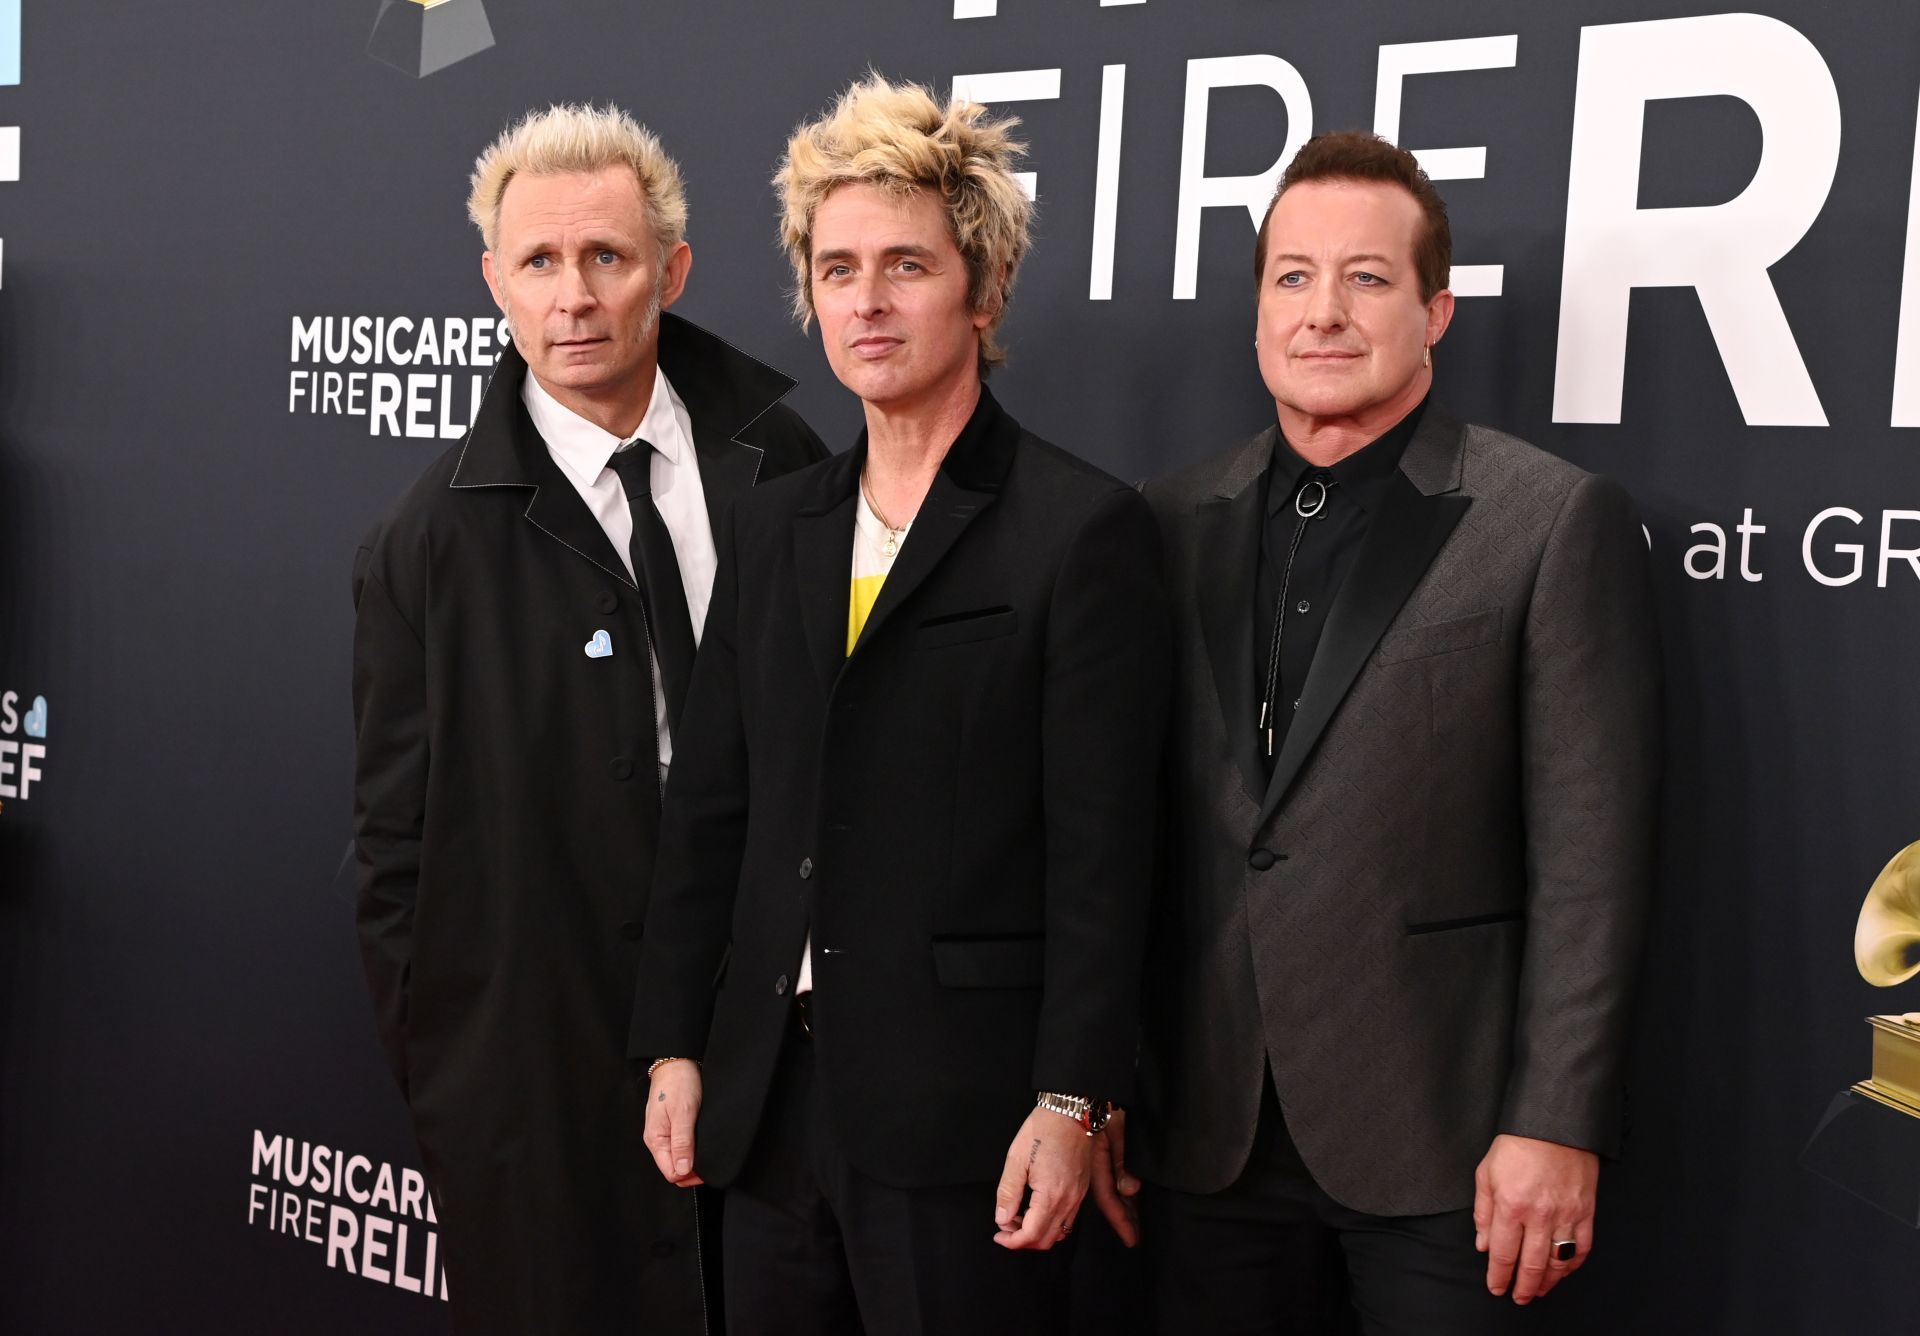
x=1090, y=1114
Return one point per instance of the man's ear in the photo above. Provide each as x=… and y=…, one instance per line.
x=674, y=281
x=493, y=280
x=994, y=309
x=1439, y=315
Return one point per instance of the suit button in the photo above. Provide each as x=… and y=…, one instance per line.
x=606, y=602
x=1261, y=859
x=632, y=930
x=780, y=986
x=620, y=768
x=806, y=868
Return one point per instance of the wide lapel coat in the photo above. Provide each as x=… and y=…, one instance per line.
x=1387, y=923
x=506, y=813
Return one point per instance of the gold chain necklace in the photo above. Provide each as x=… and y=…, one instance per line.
x=893, y=533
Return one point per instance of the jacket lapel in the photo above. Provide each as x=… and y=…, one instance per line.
x=725, y=392
x=968, y=482
x=503, y=450
x=823, y=561
x=1227, y=541
x=1415, y=520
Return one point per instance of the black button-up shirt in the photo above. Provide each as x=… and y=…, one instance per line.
x=1356, y=487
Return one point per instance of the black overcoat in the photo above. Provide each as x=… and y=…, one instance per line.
x=506, y=804
x=962, y=810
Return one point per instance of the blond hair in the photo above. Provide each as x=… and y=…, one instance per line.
x=574, y=137
x=898, y=137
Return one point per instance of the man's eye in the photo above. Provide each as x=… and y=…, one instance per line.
x=1367, y=280
x=1292, y=279
x=537, y=262
x=607, y=257
x=837, y=271
x=910, y=266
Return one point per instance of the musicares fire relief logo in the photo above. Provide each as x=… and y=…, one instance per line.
x=374, y=1222
x=417, y=378
x=23, y=744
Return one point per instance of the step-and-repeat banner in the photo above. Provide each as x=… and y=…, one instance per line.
x=241, y=308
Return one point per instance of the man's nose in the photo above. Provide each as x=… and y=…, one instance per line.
x=1327, y=306
x=576, y=293
x=870, y=295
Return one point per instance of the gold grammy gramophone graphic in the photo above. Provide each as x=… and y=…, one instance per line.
x=1886, y=947
x=419, y=37
x=1868, y=1142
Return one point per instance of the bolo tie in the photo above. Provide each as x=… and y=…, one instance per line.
x=1309, y=503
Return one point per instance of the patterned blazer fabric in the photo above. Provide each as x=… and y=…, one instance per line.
x=1441, y=945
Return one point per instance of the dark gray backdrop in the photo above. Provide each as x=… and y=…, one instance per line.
x=175, y=922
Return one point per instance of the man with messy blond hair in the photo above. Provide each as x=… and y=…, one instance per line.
x=924, y=898
x=897, y=138
x=570, y=137
x=528, y=618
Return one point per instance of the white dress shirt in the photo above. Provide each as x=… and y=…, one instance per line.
x=582, y=450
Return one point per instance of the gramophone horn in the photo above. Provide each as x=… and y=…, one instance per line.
x=1886, y=941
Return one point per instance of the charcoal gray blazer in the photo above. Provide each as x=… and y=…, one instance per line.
x=1426, y=924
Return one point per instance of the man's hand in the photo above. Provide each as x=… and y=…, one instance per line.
x=1526, y=1194
x=1113, y=1187
x=1053, y=1156
x=673, y=1106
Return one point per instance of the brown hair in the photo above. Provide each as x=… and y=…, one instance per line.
x=1355, y=155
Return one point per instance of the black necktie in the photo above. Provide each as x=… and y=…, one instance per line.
x=659, y=575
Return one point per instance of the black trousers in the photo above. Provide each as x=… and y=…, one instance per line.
x=813, y=1247
x=1273, y=1255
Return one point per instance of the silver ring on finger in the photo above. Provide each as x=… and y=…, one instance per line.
x=1563, y=1250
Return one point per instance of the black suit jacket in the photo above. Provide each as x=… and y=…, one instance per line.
x=506, y=804
x=1426, y=923
x=962, y=810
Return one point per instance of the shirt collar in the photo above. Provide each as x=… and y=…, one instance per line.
x=583, y=448
x=1363, y=475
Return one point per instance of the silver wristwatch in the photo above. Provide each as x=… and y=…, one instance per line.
x=1091, y=1114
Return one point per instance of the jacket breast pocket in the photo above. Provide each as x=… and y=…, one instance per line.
x=960, y=628
x=1423, y=642
x=1487, y=920
x=989, y=962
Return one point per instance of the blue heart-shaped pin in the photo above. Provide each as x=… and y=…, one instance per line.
x=36, y=721
x=601, y=646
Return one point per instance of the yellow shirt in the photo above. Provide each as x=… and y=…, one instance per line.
x=871, y=563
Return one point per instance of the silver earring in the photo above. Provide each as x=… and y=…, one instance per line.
x=1426, y=355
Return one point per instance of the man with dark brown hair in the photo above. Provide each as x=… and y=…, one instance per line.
x=1410, y=798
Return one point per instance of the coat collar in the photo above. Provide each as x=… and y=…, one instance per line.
x=1416, y=515
x=726, y=393
x=970, y=480
x=1228, y=540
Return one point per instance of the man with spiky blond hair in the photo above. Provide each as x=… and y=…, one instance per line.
x=925, y=896
x=527, y=623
